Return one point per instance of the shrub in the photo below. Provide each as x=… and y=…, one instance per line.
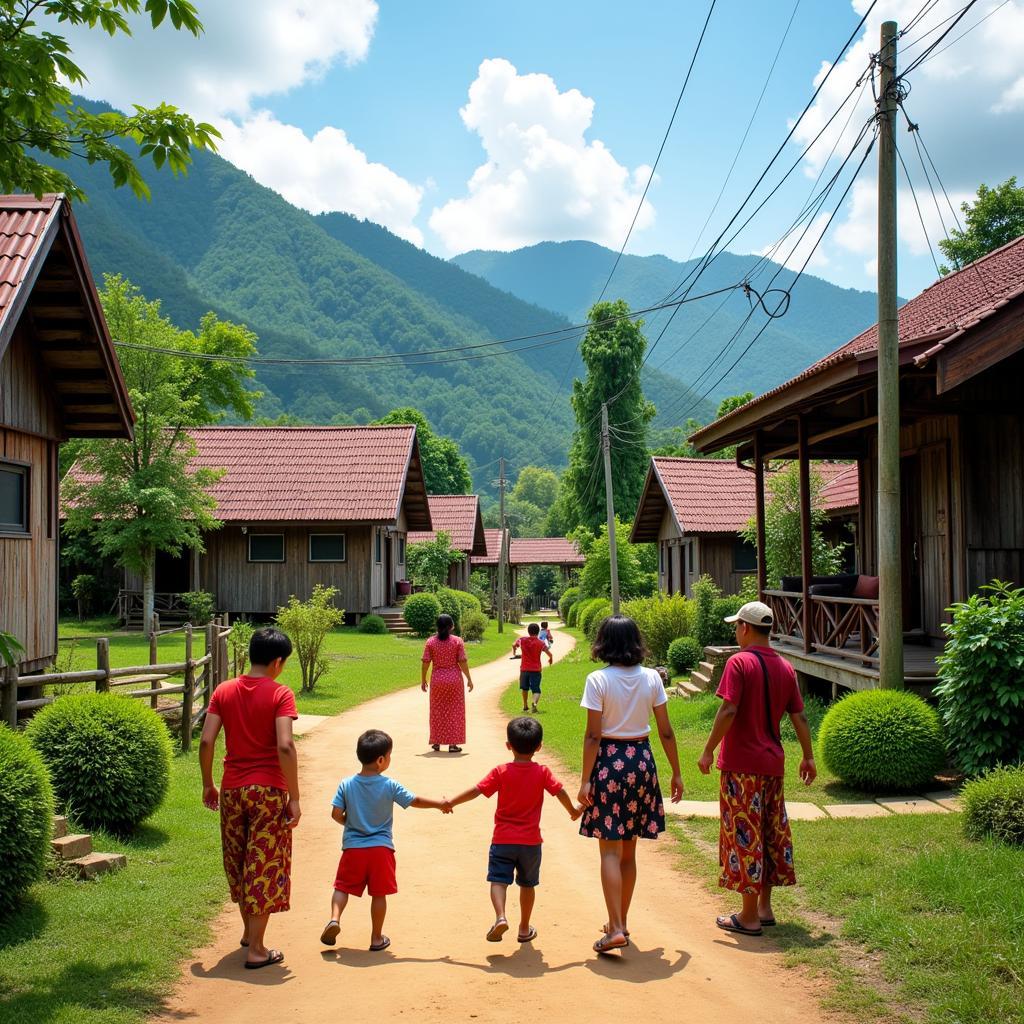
x=26, y=813
x=882, y=740
x=420, y=612
x=981, y=693
x=450, y=605
x=705, y=593
x=238, y=640
x=596, y=614
x=109, y=758
x=373, y=624
x=428, y=562
x=660, y=620
x=572, y=618
x=474, y=625
x=467, y=602
x=724, y=633
x=200, y=606
x=569, y=597
x=579, y=611
x=994, y=805
x=307, y=623
x=84, y=587
x=683, y=654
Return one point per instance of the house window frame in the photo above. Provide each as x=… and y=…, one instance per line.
x=327, y=561
x=265, y=561
x=401, y=551
x=378, y=546
x=742, y=545
x=23, y=470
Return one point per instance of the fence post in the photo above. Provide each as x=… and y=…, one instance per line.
x=222, y=643
x=186, y=697
x=9, y=695
x=103, y=664
x=153, y=660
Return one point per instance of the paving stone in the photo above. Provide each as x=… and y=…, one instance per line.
x=71, y=847
x=95, y=864
x=307, y=723
x=694, y=808
x=871, y=810
x=945, y=798
x=911, y=805
x=60, y=826
x=802, y=811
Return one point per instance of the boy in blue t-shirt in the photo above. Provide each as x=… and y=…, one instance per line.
x=364, y=804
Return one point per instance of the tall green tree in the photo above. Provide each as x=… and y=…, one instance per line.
x=38, y=116
x=135, y=498
x=676, y=441
x=612, y=351
x=993, y=219
x=445, y=470
x=536, y=485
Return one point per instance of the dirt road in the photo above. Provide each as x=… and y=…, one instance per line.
x=439, y=968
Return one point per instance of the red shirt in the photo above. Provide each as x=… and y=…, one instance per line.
x=748, y=746
x=520, y=786
x=249, y=707
x=532, y=647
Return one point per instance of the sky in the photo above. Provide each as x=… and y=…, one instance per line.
x=461, y=124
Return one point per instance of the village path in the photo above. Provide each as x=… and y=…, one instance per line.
x=439, y=967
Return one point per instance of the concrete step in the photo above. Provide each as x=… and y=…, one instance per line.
x=684, y=688
x=60, y=826
x=707, y=668
x=95, y=864
x=700, y=680
x=72, y=847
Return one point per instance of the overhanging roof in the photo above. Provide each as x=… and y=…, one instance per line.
x=459, y=516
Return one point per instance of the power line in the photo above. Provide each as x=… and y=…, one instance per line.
x=930, y=48
x=965, y=32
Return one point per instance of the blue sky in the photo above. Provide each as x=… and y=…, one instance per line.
x=344, y=104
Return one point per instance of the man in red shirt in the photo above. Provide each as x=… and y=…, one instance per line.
x=755, y=843
x=532, y=648
x=259, y=796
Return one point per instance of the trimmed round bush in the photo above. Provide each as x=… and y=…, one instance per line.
x=683, y=654
x=569, y=597
x=451, y=605
x=372, y=624
x=467, y=602
x=994, y=806
x=882, y=740
x=595, y=615
x=26, y=817
x=572, y=616
x=579, y=611
x=420, y=612
x=109, y=758
x=723, y=634
x=474, y=625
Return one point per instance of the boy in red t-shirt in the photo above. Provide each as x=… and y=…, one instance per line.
x=532, y=648
x=516, y=843
x=259, y=795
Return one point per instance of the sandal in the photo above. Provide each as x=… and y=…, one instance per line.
x=330, y=932
x=605, y=929
x=606, y=943
x=454, y=748
x=274, y=956
x=435, y=746
x=377, y=947
x=497, y=930
x=529, y=936
x=768, y=922
x=732, y=924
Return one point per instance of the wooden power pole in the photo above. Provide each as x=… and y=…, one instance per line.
x=502, y=553
x=890, y=590
x=613, y=556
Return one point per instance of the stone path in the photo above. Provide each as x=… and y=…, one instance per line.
x=941, y=802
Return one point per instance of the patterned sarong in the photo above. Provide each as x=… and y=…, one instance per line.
x=257, y=846
x=755, y=843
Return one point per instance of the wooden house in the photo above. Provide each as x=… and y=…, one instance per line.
x=459, y=516
x=694, y=510
x=489, y=561
x=961, y=364
x=59, y=378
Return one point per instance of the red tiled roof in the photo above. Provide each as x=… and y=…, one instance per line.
x=544, y=551
x=492, y=538
x=459, y=516
x=23, y=223
x=842, y=491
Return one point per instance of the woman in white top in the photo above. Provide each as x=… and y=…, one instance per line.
x=620, y=781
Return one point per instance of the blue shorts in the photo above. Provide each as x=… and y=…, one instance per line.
x=529, y=681
x=508, y=859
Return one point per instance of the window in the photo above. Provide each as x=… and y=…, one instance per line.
x=377, y=549
x=266, y=547
x=744, y=556
x=401, y=551
x=327, y=547
x=13, y=498
x=661, y=559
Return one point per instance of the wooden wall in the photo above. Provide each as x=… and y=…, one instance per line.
x=715, y=558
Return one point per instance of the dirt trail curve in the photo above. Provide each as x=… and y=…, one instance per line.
x=439, y=968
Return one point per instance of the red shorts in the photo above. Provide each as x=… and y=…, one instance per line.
x=371, y=868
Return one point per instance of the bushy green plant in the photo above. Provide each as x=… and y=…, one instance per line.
x=480, y=587
x=372, y=624
x=994, y=805
x=307, y=623
x=572, y=617
x=637, y=565
x=595, y=615
x=26, y=816
x=467, y=602
x=569, y=597
x=882, y=740
x=109, y=758
x=238, y=641
x=84, y=587
x=660, y=620
x=200, y=605
x=450, y=605
x=420, y=612
x=981, y=693
x=705, y=594
x=579, y=611
x=683, y=654
x=428, y=561
x=722, y=632
x=474, y=625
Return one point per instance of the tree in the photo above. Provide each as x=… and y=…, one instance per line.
x=135, y=498
x=445, y=471
x=39, y=119
x=638, y=564
x=524, y=518
x=676, y=441
x=428, y=562
x=612, y=350
x=536, y=485
x=995, y=218
x=307, y=624
x=539, y=581
x=782, y=528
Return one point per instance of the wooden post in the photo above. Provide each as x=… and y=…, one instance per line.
x=186, y=697
x=502, y=547
x=154, y=659
x=890, y=587
x=806, y=565
x=227, y=668
x=9, y=696
x=762, y=566
x=103, y=664
x=211, y=646
x=609, y=498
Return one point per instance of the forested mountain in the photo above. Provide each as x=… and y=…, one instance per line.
x=568, y=276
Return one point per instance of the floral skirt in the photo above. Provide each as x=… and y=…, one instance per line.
x=627, y=798
x=755, y=845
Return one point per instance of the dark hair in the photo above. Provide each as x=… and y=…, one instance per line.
x=533, y=629
x=525, y=734
x=372, y=744
x=619, y=642
x=267, y=645
x=445, y=625
x=544, y=624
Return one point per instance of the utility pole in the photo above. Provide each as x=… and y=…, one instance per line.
x=606, y=447
x=890, y=590
x=502, y=553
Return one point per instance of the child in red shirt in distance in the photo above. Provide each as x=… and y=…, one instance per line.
x=532, y=648
x=516, y=843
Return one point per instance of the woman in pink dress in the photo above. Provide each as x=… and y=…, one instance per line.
x=447, y=698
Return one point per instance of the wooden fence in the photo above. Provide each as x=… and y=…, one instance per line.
x=200, y=677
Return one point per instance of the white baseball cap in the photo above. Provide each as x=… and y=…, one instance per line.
x=756, y=613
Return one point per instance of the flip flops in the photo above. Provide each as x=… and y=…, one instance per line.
x=607, y=943
x=377, y=947
x=768, y=922
x=330, y=932
x=497, y=930
x=732, y=924
x=274, y=956
x=529, y=936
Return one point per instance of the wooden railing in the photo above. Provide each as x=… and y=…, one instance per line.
x=167, y=606
x=200, y=677
x=846, y=627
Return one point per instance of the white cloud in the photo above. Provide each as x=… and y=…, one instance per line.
x=542, y=180
x=799, y=246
